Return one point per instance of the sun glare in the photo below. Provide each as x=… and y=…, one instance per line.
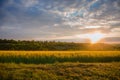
x=95, y=37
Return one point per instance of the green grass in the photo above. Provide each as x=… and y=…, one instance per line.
x=60, y=71
x=43, y=57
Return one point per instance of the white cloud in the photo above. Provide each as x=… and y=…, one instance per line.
x=29, y=3
x=52, y=18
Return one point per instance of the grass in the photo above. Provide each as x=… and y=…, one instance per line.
x=43, y=57
x=60, y=71
x=59, y=65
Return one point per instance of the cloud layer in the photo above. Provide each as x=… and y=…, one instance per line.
x=58, y=19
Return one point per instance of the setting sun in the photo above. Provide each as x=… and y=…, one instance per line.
x=95, y=37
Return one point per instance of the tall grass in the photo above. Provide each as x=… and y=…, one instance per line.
x=37, y=57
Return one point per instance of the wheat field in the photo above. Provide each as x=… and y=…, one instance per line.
x=59, y=65
x=38, y=57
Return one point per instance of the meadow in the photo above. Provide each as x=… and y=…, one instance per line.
x=59, y=65
x=60, y=71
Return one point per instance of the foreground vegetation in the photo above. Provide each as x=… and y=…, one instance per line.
x=60, y=71
x=42, y=57
x=59, y=65
x=56, y=46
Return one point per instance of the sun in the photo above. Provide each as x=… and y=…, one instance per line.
x=95, y=37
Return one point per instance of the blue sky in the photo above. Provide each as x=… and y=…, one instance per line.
x=60, y=20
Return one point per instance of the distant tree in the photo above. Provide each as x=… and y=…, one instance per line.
x=52, y=45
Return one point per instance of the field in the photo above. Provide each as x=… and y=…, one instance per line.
x=37, y=57
x=59, y=65
x=60, y=71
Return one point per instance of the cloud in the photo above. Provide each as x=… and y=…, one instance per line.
x=55, y=19
x=29, y=3
x=111, y=40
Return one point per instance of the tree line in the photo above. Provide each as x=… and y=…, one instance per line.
x=53, y=45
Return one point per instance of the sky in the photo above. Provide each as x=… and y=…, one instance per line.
x=60, y=20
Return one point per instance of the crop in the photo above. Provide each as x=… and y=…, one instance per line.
x=42, y=57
